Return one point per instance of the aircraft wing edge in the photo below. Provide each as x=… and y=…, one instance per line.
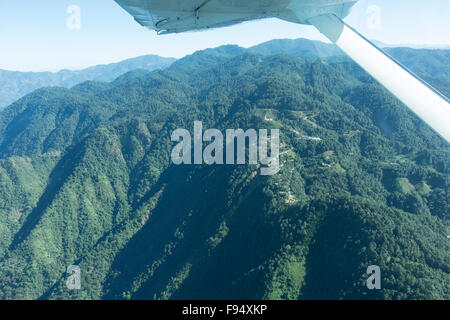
x=424, y=100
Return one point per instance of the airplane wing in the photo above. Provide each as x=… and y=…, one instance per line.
x=173, y=16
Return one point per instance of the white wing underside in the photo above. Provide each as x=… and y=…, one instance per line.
x=175, y=16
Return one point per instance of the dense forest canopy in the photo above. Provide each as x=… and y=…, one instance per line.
x=86, y=179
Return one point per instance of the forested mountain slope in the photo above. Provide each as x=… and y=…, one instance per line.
x=86, y=179
x=16, y=84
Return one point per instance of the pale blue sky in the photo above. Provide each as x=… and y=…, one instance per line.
x=34, y=35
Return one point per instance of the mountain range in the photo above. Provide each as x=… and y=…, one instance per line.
x=86, y=179
x=412, y=46
x=16, y=84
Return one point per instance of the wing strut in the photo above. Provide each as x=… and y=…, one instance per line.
x=431, y=106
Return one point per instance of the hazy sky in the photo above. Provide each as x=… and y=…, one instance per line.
x=34, y=33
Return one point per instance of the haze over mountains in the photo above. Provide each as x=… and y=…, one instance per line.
x=86, y=179
x=412, y=46
x=15, y=84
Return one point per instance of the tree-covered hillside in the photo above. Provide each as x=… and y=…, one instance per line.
x=86, y=179
x=15, y=84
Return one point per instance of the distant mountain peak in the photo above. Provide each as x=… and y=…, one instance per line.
x=15, y=84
